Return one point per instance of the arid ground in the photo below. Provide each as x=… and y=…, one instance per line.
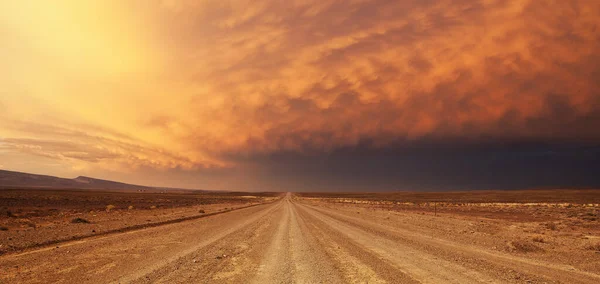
x=536, y=236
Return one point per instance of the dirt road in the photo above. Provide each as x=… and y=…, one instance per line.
x=287, y=241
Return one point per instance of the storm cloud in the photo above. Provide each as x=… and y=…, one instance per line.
x=362, y=94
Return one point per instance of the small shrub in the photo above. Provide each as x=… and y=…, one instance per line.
x=10, y=214
x=551, y=226
x=130, y=207
x=80, y=221
x=201, y=211
x=2, y=228
x=153, y=207
x=110, y=207
x=523, y=246
x=595, y=247
x=538, y=239
x=30, y=224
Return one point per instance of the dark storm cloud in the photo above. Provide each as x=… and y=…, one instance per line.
x=435, y=166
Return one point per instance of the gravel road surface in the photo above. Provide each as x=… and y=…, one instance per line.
x=287, y=241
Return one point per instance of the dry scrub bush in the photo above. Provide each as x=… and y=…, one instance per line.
x=130, y=207
x=201, y=211
x=523, y=246
x=538, y=239
x=595, y=247
x=2, y=228
x=589, y=218
x=80, y=221
x=551, y=226
x=29, y=224
x=110, y=207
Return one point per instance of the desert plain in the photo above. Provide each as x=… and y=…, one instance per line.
x=93, y=236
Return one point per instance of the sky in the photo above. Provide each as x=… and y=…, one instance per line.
x=304, y=95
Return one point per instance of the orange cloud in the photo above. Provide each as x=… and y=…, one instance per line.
x=386, y=70
x=104, y=148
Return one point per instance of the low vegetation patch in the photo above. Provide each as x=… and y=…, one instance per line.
x=110, y=207
x=80, y=221
x=523, y=246
x=551, y=226
x=29, y=224
x=2, y=228
x=595, y=247
x=201, y=211
x=538, y=239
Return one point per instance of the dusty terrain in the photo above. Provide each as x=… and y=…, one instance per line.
x=549, y=237
x=34, y=217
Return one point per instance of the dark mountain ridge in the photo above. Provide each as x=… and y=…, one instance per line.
x=22, y=180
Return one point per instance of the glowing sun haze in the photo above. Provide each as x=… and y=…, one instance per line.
x=303, y=95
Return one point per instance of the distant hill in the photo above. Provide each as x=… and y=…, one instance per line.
x=21, y=180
